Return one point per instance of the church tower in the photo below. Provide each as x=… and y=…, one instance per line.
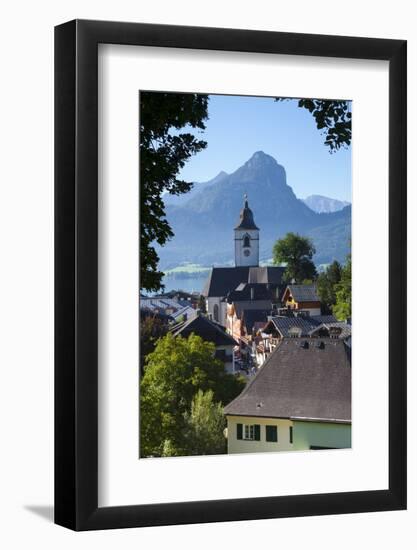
x=246, y=239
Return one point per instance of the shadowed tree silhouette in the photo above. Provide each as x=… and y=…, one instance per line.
x=164, y=150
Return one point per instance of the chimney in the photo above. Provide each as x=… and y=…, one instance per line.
x=252, y=293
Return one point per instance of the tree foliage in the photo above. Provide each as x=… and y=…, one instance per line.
x=326, y=286
x=297, y=253
x=152, y=328
x=332, y=118
x=343, y=306
x=164, y=150
x=174, y=373
x=204, y=428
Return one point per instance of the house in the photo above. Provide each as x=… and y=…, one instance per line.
x=293, y=323
x=224, y=280
x=248, y=310
x=211, y=332
x=303, y=297
x=300, y=399
x=176, y=309
x=239, y=321
x=184, y=313
x=183, y=297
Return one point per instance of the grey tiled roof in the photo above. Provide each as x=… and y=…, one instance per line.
x=206, y=329
x=304, y=293
x=300, y=381
x=306, y=324
x=161, y=303
x=345, y=328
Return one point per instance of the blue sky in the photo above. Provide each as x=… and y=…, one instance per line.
x=238, y=126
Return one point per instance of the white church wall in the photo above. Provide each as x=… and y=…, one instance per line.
x=223, y=313
x=213, y=301
x=252, y=259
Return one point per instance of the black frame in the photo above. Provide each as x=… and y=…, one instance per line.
x=76, y=270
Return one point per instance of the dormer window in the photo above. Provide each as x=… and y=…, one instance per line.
x=246, y=241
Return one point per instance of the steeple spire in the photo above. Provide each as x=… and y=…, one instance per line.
x=246, y=220
x=246, y=238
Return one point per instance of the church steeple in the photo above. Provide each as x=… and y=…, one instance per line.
x=246, y=220
x=246, y=238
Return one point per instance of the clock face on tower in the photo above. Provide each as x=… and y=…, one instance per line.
x=246, y=252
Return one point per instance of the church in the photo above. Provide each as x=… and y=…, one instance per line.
x=223, y=281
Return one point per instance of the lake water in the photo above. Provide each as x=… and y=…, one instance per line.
x=192, y=284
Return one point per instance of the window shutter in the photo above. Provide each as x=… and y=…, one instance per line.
x=239, y=431
x=272, y=433
x=257, y=432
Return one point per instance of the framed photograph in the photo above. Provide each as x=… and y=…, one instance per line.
x=230, y=255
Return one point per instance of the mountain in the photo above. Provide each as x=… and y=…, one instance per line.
x=204, y=219
x=195, y=190
x=321, y=204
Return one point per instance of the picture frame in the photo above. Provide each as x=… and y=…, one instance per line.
x=76, y=274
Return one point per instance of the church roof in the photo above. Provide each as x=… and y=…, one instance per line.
x=246, y=220
x=253, y=291
x=270, y=274
x=304, y=379
x=223, y=280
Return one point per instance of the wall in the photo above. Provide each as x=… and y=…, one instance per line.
x=253, y=258
x=228, y=365
x=211, y=302
x=222, y=309
x=233, y=323
x=305, y=434
x=26, y=218
x=321, y=434
x=235, y=445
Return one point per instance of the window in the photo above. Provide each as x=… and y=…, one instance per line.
x=272, y=433
x=291, y=435
x=248, y=432
x=216, y=312
x=246, y=241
